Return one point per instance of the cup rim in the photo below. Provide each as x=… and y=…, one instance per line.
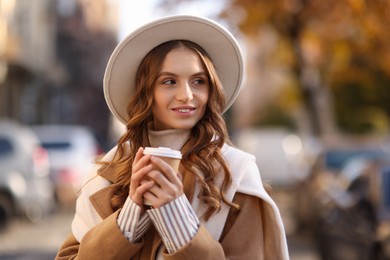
x=163, y=152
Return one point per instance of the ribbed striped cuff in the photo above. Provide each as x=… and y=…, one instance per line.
x=132, y=226
x=176, y=223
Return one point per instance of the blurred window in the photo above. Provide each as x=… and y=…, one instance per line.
x=56, y=145
x=5, y=146
x=336, y=159
x=386, y=187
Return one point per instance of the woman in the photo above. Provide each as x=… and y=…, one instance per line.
x=180, y=74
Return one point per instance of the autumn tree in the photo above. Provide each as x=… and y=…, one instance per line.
x=338, y=47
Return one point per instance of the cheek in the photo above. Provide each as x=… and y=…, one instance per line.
x=155, y=104
x=158, y=99
x=204, y=97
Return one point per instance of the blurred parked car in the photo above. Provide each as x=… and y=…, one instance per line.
x=283, y=157
x=350, y=203
x=25, y=187
x=72, y=149
x=284, y=160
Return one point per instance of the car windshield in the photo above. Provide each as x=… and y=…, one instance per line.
x=5, y=146
x=56, y=145
x=336, y=159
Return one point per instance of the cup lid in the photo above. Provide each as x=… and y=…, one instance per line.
x=163, y=151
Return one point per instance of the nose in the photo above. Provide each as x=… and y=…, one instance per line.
x=184, y=93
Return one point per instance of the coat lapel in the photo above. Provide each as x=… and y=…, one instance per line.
x=101, y=200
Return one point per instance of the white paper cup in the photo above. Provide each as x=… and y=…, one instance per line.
x=170, y=156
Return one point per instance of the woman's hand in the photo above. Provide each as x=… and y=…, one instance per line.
x=167, y=183
x=138, y=185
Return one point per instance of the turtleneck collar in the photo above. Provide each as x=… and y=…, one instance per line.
x=172, y=138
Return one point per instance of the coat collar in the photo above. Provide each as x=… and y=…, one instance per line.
x=101, y=200
x=108, y=173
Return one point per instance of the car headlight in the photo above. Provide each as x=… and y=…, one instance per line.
x=292, y=144
x=17, y=184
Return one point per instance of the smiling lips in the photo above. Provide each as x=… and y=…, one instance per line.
x=184, y=110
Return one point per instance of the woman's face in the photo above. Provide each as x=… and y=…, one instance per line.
x=180, y=92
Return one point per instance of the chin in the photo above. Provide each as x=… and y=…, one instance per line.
x=177, y=124
x=185, y=126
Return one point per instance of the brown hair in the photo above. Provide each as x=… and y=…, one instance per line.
x=204, y=159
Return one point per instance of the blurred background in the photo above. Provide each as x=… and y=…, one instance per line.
x=314, y=111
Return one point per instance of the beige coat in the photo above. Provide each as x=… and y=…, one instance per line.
x=255, y=232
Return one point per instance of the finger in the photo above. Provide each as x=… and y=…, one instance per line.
x=180, y=176
x=139, y=154
x=139, y=192
x=143, y=181
x=144, y=160
x=137, y=157
x=158, y=197
x=157, y=191
x=164, y=188
x=159, y=178
x=137, y=176
x=150, y=197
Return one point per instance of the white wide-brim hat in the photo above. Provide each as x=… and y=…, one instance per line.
x=218, y=42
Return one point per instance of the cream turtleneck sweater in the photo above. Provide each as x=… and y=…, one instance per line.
x=171, y=138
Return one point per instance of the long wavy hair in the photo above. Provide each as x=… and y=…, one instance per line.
x=204, y=158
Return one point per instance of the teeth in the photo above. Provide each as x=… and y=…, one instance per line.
x=184, y=110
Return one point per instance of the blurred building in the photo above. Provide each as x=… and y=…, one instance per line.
x=27, y=49
x=52, y=59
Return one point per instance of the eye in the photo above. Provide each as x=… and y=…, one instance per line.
x=169, y=82
x=199, y=81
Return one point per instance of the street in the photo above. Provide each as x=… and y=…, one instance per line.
x=25, y=240
x=40, y=241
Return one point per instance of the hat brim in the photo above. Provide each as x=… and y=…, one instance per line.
x=225, y=52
